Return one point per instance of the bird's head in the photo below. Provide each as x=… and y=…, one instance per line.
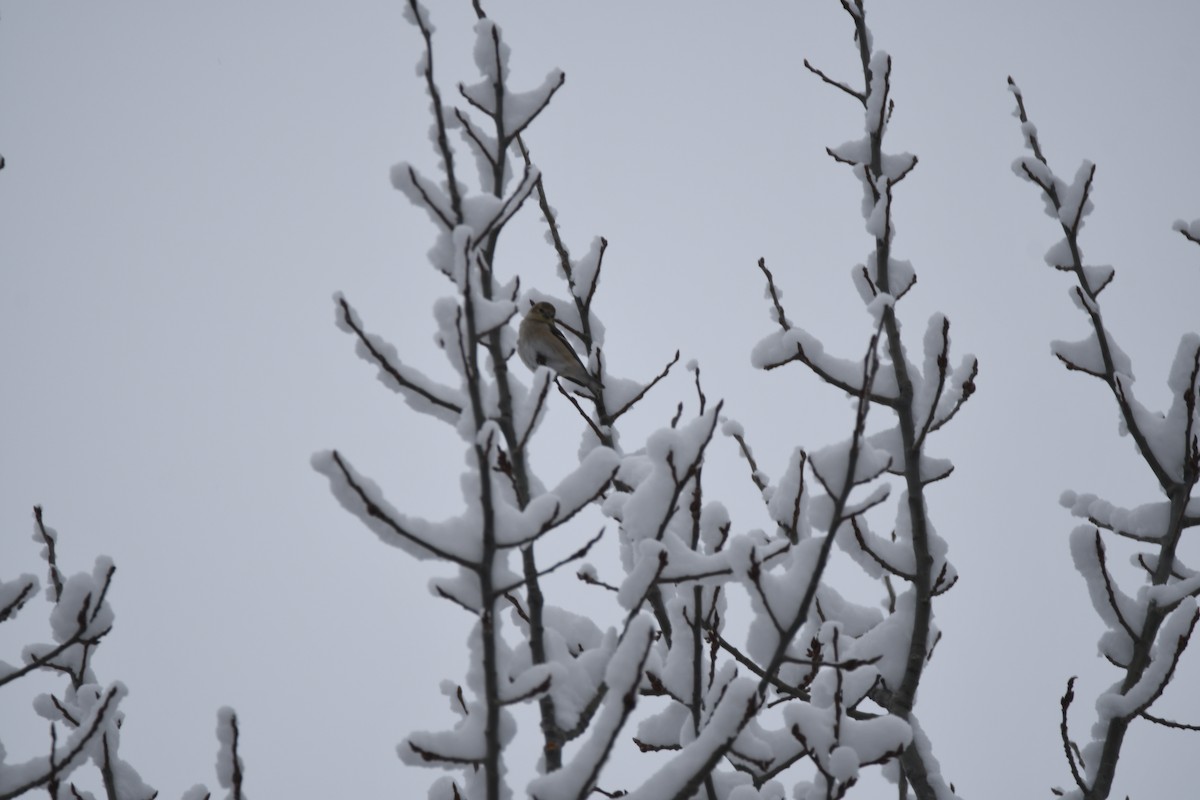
x=542, y=311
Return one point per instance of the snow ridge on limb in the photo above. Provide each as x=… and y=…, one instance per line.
x=1147, y=632
x=1190, y=230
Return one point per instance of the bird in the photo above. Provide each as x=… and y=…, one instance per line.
x=541, y=343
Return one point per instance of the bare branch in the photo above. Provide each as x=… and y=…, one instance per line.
x=1069, y=748
x=578, y=554
x=780, y=314
x=51, y=559
x=442, y=140
x=1102, y=562
x=857, y=95
x=628, y=405
x=1169, y=723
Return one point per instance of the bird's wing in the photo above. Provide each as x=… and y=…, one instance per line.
x=563, y=340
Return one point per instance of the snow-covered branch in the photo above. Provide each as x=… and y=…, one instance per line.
x=923, y=399
x=80, y=617
x=1147, y=633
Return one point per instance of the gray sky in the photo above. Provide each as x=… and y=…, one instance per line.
x=188, y=184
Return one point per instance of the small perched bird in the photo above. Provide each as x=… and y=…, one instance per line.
x=541, y=343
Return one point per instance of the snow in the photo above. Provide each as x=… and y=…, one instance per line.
x=576, y=490
x=891, y=442
x=919, y=740
x=447, y=313
x=896, y=165
x=585, y=272
x=881, y=67
x=787, y=503
x=620, y=392
x=691, y=761
x=456, y=537
x=1165, y=438
x=648, y=557
x=1183, y=368
x=780, y=347
x=1168, y=437
x=1028, y=130
x=1115, y=703
x=1117, y=612
x=843, y=763
x=87, y=704
x=664, y=729
x=524, y=683
x=529, y=407
x=670, y=453
x=1075, y=199
x=490, y=314
x=896, y=554
x=1169, y=595
x=773, y=790
x=879, y=220
x=1060, y=255
x=126, y=780
x=889, y=641
x=1031, y=168
x=466, y=741
x=485, y=148
x=879, y=305
x=1145, y=521
x=521, y=107
x=622, y=676
x=227, y=760
x=1086, y=355
x=14, y=594
x=491, y=53
x=78, y=615
x=831, y=464
x=482, y=95
x=579, y=654
x=901, y=275
x=853, y=619
x=1192, y=229
x=936, y=346
x=423, y=193
x=855, y=151
x=416, y=14
x=1097, y=277
x=420, y=392
x=777, y=594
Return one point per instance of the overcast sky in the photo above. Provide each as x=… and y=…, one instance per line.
x=188, y=184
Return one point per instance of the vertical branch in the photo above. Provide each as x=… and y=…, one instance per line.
x=883, y=283
x=1069, y=204
x=488, y=626
x=696, y=627
x=553, y=736
x=900, y=701
x=439, y=113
